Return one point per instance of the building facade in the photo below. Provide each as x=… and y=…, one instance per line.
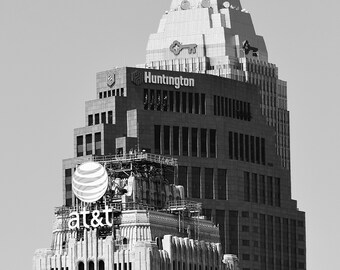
x=207, y=96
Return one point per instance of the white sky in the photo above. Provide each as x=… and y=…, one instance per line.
x=50, y=52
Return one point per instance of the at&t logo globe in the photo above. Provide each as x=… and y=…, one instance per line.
x=90, y=182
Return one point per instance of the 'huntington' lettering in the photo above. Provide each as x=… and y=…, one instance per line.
x=177, y=82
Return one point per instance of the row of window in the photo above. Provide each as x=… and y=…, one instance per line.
x=262, y=189
x=214, y=182
x=265, y=84
x=112, y=93
x=92, y=144
x=183, y=266
x=96, y=119
x=91, y=266
x=233, y=108
x=172, y=101
x=260, y=69
x=185, y=141
x=247, y=148
x=275, y=234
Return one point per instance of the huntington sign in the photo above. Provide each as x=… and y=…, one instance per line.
x=139, y=77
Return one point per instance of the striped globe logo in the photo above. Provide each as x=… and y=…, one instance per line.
x=90, y=182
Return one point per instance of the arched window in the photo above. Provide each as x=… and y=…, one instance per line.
x=81, y=266
x=91, y=265
x=101, y=265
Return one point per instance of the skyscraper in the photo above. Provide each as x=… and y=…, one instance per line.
x=208, y=97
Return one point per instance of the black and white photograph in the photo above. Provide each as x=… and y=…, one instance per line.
x=169, y=135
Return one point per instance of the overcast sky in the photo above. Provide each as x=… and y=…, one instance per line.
x=50, y=52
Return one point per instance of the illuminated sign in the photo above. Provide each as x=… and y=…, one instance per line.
x=90, y=182
x=176, y=48
x=139, y=77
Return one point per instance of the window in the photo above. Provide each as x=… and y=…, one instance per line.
x=103, y=117
x=185, y=144
x=166, y=140
x=88, y=139
x=252, y=149
x=246, y=187
x=81, y=266
x=254, y=188
x=171, y=99
x=247, y=147
x=157, y=139
x=257, y=150
x=96, y=118
x=270, y=190
x=100, y=95
x=194, y=132
x=236, y=145
x=220, y=220
x=245, y=257
x=301, y=251
x=301, y=265
x=233, y=232
x=101, y=265
x=196, y=182
x=80, y=146
x=263, y=151
x=184, y=102
x=175, y=135
x=262, y=190
x=91, y=265
x=246, y=243
x=165, y=101
x=98, y=146
x=178, y=101
x=152, y=100
x=226, y=107
x=109, y=117
x=241, y=147
x=183, y=178
x=158, y=100
x=190, y=99
x=245, y=228
x=203, y=143
x=222, y=184
x=209, y=183
x=245, y=214
x=90, y=119
x=197, y=103
x=203, y=104
x=231, y=155
x=105, y=94
x=212, y=143
x=277, y=192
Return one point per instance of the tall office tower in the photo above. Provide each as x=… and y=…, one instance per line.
x=208, y=97
x=224, y=40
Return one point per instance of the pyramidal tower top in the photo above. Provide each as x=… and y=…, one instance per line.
x=212, y=32
x=217, y=37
